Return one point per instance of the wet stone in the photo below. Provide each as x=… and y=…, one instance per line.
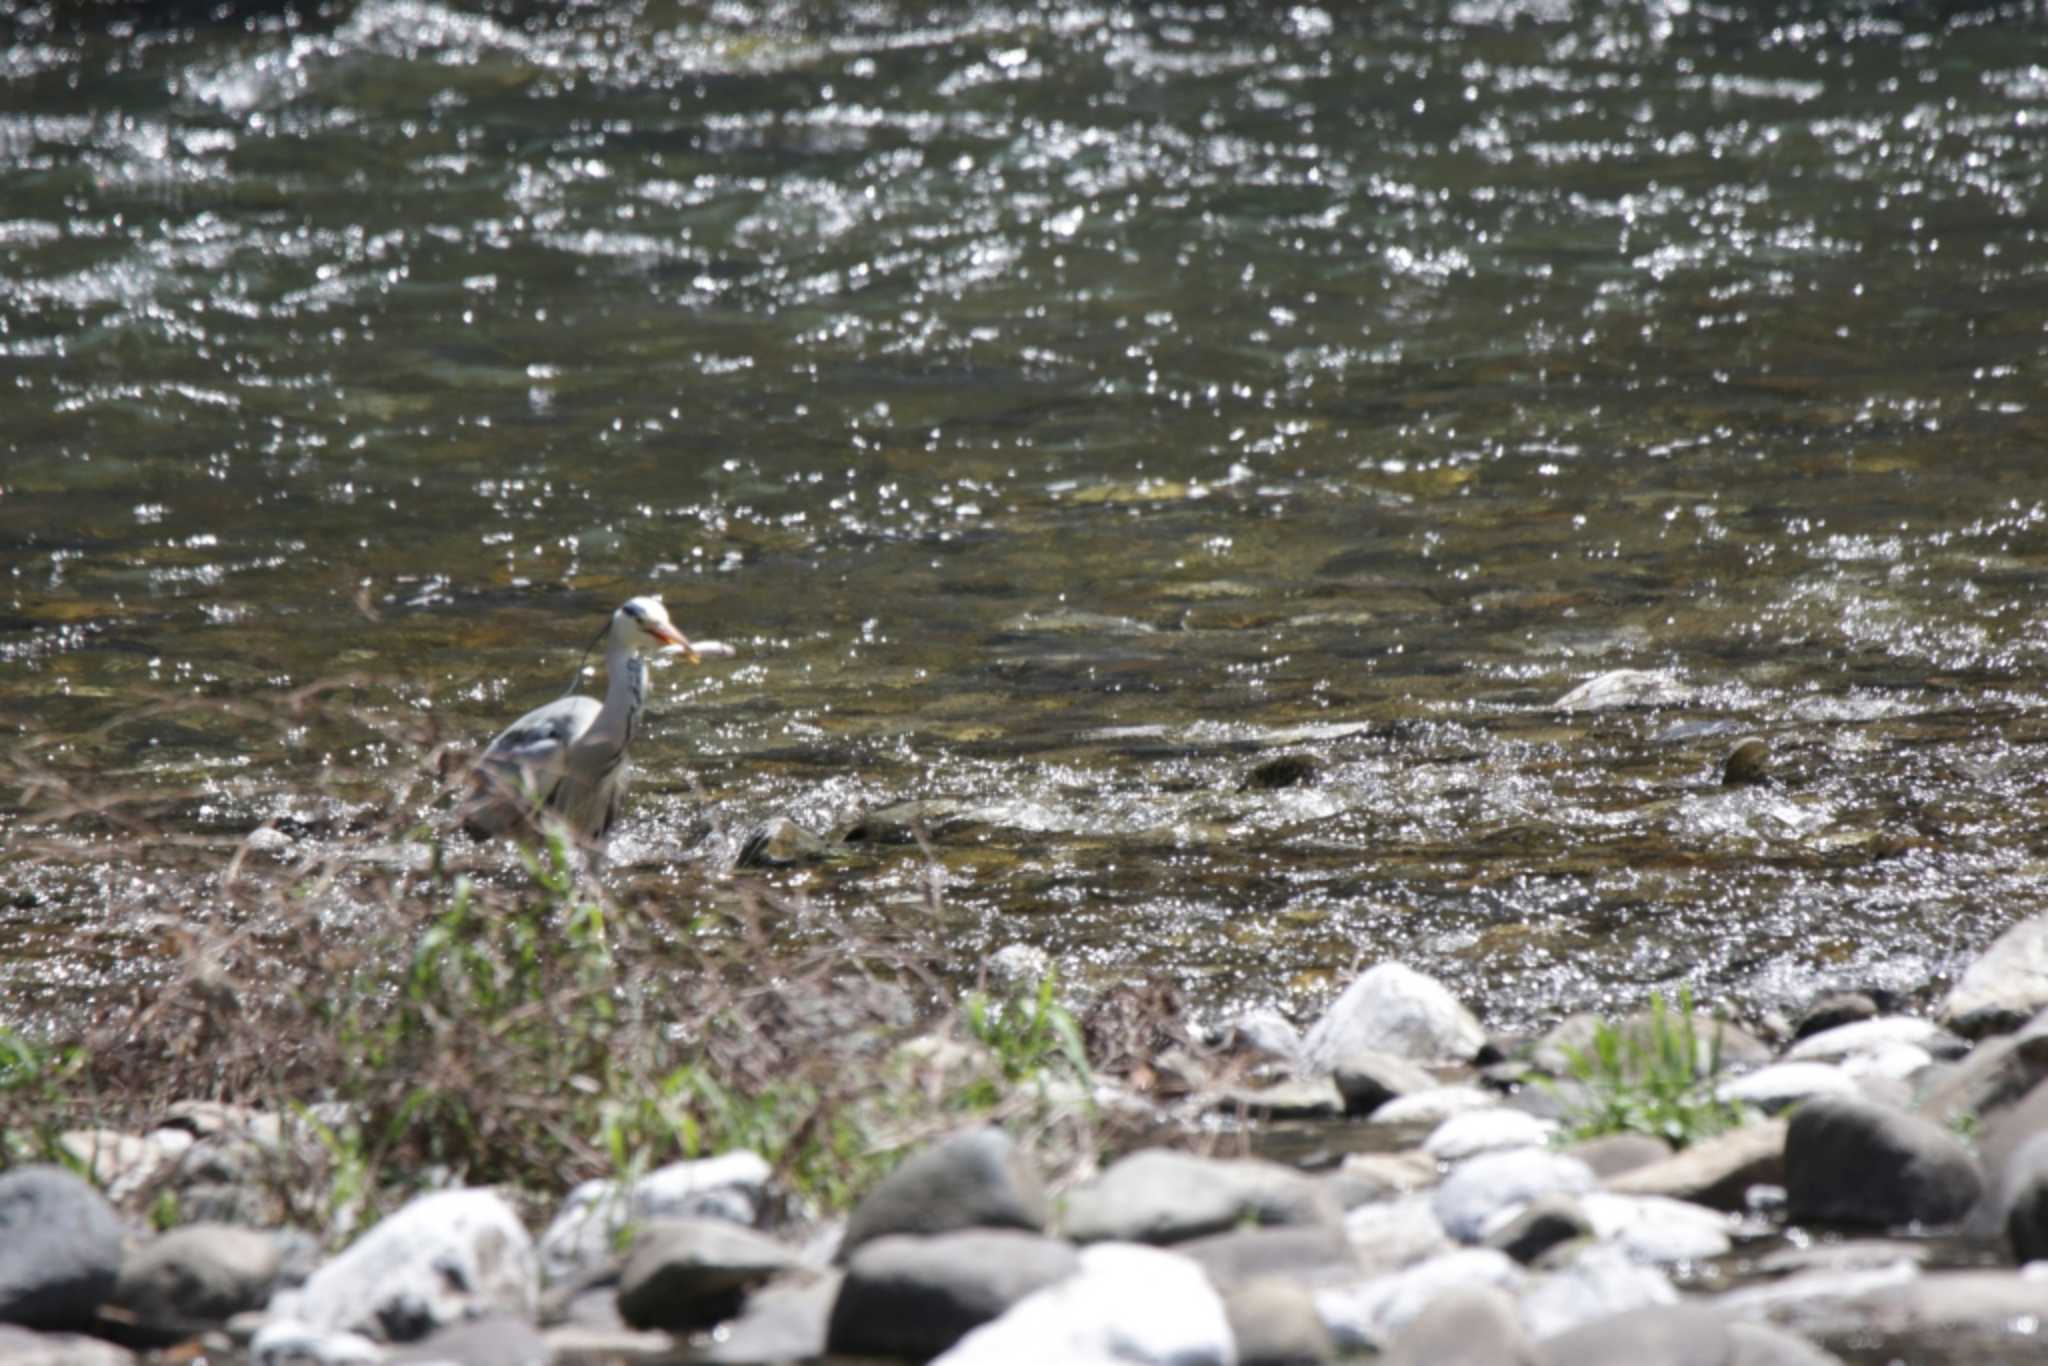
x=1855, y=1162
x=915, y=1297
x=1748, y=763
x=1839, y=1008
x=1282, y=771
x=2005, y=986
x=60, y=1249
x=780, y=842
x=691, y=1273
x=1368, y=1078
x=976, y=1179
x=1160, y=1196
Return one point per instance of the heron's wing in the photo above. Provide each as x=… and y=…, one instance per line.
x=540, y=739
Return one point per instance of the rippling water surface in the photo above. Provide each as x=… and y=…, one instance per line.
x=1064, y=410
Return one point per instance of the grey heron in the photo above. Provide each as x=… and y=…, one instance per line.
x=566, y=761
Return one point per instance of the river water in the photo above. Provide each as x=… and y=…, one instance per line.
x=1062, y=410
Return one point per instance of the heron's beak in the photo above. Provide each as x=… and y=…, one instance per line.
x=674, y=639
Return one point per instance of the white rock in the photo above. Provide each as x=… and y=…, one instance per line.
x=1772, y=1088
x=1493, y=1129
x=443, y=1258
x=1892, y=1062
x=1370, y=1314
x=1127, y=1303
x=1657, y=1229
x=1392, y=1235
x=1626, y=688
x=1395, y=1009
x=1434, y=1106
x=287, y=1342
x=732, y=1186
x=1476, y=1191
x=1598, y=1283
x=1863, y=1036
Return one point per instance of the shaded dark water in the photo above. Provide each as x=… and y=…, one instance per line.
x=1063, y=410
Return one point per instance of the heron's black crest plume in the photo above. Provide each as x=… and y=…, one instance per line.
x=577, y=677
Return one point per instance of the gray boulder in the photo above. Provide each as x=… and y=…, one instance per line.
x=691, y=1273
x=2023, y=1199
x=1678, y=1335
x=1274, y=1322
x=498, y=1340
x=1589, y=1283
x=2005, y=986
x=443, y=1258
x=1368, y=1078
x=60, y=1249
x=906, y=1296
x=1610, y=1155
x=1478, y=1326
x=1394, y=1009
x=1855, y=1162
x=1785, y=1084
x=1477, y=1192
x=1372, y=1314
x=1161, y=1196
x=1310, y=1255
x=976, y=1179
x=198, y=1276
x=783, y=1321
x=26, y=1347
x=1716, y=1171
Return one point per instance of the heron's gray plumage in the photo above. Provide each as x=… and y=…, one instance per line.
x=567, y=759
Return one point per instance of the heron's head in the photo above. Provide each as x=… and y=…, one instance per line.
x=643, y=625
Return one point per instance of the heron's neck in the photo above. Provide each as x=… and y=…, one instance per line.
x=625, y=693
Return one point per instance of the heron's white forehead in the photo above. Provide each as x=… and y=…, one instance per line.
x=647, y=608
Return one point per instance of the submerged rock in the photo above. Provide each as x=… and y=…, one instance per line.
x=1748, y=763
x=1626, y=688
x=780, y=842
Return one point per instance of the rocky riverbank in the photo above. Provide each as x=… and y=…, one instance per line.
x=1878, y=1192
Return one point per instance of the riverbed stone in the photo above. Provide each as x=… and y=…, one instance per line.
x=1997, y=1074
x=1273, y=1322
x=1389, y=1235
x=1434, y=1106
x=785, y=1320
x=1310, y=1255
x=1658, y=1230
x=976, y=1179
x=1875, y=1036
x=732, y=1186
x=495, y=1340
x=442, y=1258
x=1464, y=1326
x=779, y=842
x=1368, y=1078
x=60, y=1249
x=1587, y=1283
x=2004, y=987
x=1784, y=1084
x=1127, y=1303
x=1261, y=1032
x=1365, y=1177
x=1393, y=1008
x=1491, y=1130
x=1477, y=1192
x=283, y=1341
x=1718, y=1171
x=1546, y=1222
x=1734, y=1047
x=2022, y=1201
x=1610, y=1155
x=1371, y=1314
x=1835, y=1008
x=908, y=1296
x=1677, y=1335
x=25, y=1347
x=197, y=1276
x=1158, y=1195
x=684, y=1274
x=1855, y=1162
